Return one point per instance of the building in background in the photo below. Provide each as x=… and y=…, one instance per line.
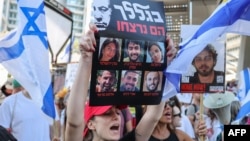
x=177, y=13
x=77, y=7
x=9, y=15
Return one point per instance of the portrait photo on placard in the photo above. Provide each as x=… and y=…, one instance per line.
x=207, y=72
x=133, y=50
x=110, y=49
x=106, y=81
x=152, y=81
x=155, y=52
x=130, y=81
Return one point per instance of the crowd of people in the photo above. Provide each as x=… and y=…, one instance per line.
x=175, y=119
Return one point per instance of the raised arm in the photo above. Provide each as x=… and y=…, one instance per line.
x=148, y=122
x=78, y=95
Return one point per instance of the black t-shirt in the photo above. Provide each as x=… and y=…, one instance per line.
x=195, y=78
x=129, y=136
x=172, y=137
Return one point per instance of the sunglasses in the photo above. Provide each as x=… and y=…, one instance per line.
x=177, y=115
x=171, y=103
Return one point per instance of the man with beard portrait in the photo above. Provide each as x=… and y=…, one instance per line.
x=204, y=64
x=152, y=81
x=134, y=51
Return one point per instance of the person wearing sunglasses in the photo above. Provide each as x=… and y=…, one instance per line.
x=176, y=117
x=164, y=130
x=185, y=124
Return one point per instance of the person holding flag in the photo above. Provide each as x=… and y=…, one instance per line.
x=24, y=54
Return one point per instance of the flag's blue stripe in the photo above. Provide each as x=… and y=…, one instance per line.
x=48, y=103
x=246, y=77
x=8, y=53
x=221, y=17
x=246, y=15
x=174, y=78
x=244, y=110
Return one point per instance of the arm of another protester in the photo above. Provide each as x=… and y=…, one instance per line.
x=148, y=121
x=171, y=50
x=78, y=95
x=153, y=113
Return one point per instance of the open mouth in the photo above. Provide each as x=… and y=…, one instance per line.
x=114, y=127
x=168, y=114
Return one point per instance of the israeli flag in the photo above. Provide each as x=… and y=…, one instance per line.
x=244, y=93
x=24, y=53
x=232, y=16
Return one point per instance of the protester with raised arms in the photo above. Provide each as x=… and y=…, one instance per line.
x=103, y=122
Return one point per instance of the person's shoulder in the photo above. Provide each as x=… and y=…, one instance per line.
x=8, y=99
x=182, y=136
x=191, y=106
x=194, y=78
x=219, y=72
x=191, y=109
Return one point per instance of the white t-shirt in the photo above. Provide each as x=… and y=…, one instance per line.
x=186, y=126
x=214, y=128
x=29, y=122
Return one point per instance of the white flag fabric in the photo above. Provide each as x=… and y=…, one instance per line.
x=244, y=93
x=232, y=16
x=24, y=53
x=244, y=84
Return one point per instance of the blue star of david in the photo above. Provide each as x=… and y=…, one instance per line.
x=31, y=28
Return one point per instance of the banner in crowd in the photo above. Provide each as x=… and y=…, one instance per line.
x=130, y=58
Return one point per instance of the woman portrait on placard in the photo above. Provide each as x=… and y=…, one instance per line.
x=110, y=50
x=155, y=52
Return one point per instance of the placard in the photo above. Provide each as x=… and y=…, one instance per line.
x=207, y=71
x=130, y=52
